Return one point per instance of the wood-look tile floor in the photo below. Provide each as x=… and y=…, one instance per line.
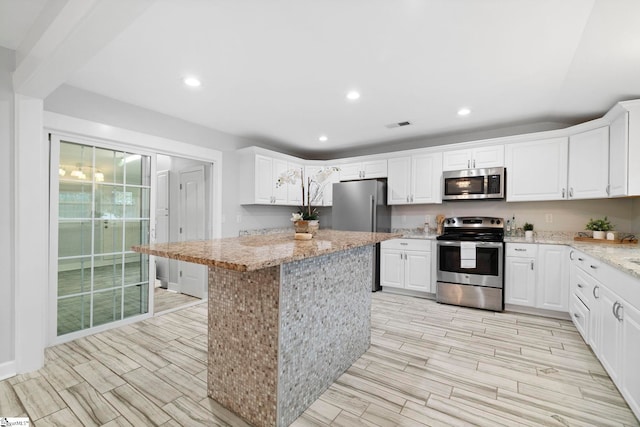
x=428, y=365
x=164, y=300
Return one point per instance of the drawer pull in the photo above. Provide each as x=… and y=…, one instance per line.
x=403, y=243
x=595, y=288
x=520, y=250
x=580, y=285
x=580, y=259
x=595, y=267
x=576, y=315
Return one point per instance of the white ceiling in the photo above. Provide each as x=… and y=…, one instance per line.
x=279, y=70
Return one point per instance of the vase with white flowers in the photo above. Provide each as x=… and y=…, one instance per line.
x=306, y=219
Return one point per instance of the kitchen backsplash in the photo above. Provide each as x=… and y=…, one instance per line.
x=563, y=215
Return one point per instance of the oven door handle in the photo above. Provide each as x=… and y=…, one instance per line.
x=478, y=244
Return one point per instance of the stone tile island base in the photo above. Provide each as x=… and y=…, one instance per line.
x=280, y=336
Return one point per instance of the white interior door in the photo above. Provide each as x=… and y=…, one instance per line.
x=162, y=223
x=192, y=277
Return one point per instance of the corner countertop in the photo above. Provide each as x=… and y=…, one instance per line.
x=625, y=258
x=249, y=253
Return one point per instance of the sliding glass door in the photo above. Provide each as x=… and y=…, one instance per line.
x=103, y=208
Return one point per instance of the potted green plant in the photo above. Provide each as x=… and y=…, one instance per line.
x=599, y=227
x=528, y=231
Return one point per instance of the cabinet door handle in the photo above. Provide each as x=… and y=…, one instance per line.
x=571, y=255
x=571, y=192
x=595, y=288
x=608, y=190
x=580, y=285
x=407, y=198
x=620, y=312
x=576, y=315
x=474, y=163
x=613, y=309
x=468, y=164
x=532, y=265
x=563, y=192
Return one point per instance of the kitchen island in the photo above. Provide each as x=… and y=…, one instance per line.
x=285, y=317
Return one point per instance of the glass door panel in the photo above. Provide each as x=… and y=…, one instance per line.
x=103, y=210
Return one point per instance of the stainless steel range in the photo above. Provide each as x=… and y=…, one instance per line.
x=471, y=263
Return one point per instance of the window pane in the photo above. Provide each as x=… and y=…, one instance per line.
x=139, y=206
x=73, y=313
x=107, y=274
x=74, y=199
x=108, y=237
x=111, y=164
x=136, y=169
x=74, y=238
x=136, y=233
x=74, y=276
x=107, y=306
x=136, y=270
x=110, y=201
x=75, y=161
x=136, y=300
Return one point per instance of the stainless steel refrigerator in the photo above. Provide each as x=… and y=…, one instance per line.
x=362, y=206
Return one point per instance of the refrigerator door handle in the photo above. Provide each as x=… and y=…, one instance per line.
x=373, y=213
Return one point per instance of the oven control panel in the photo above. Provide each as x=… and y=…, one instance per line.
x=474, y=222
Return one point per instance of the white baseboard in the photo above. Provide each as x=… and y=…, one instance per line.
x=537, y=311
x=7, y=369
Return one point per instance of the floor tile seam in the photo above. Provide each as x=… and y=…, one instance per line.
x=26, y=407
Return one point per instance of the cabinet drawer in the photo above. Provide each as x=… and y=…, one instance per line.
x=522, y=250
x=588, y=264
x=582, y=286
x=580, y=316
x=407, y=244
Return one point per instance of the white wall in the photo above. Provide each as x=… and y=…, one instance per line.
x=566, y=215
x=7, y=344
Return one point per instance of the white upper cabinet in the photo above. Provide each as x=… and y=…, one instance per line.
x=258, y=175
x=537, y=170
x=415, y=179
x=589, y=164
x=473, y=158
x=618, y=151
x=265, y=172
x=369, y=169
x=624, y=146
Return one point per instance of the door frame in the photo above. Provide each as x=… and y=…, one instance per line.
x=98, y=134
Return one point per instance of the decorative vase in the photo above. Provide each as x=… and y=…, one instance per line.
x=599, y=235
x=310, y=226
x=528, y=235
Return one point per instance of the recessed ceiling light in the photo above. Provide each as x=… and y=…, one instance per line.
x=464, y=112
x=192, y=82
x=323, y=138
x=353, y=95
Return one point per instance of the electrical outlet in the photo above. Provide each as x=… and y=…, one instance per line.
x=548, y=218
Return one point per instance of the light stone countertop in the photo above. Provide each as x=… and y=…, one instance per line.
x=249, y=253
x=625, y=257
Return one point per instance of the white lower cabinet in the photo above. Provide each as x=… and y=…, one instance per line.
x=552, y=278
x=605, y=310
x=406, y=263
x=537, y=276
x=520, y=281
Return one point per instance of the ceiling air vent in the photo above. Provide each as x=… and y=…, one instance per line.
x=397, y=125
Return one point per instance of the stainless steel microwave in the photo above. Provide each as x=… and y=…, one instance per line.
x=473, y=184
